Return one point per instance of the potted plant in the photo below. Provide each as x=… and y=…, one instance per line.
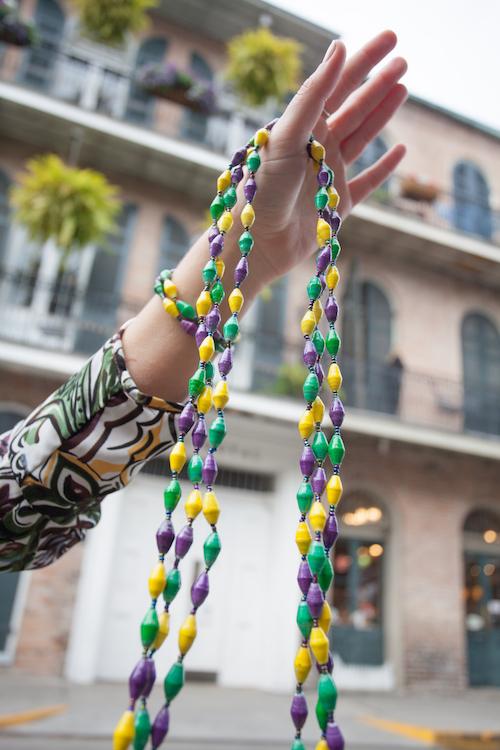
x=263, y=66
x=74, y=207
x=13, y=30
x=418, y=190
x=183, y=87
x=109, y=21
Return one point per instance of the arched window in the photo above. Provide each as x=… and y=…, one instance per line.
x=195, y=124
x=174, y=244
x=472, y=202
x=4, y=213
x=481, y=363
x=140, y=105
x=39, y=63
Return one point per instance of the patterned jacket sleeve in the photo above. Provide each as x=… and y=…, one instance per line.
x=88, y=439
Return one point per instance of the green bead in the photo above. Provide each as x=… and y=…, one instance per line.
x=209, y=272
x=217, y=207
x=194, y=469
x=245, y=242
x=298, y=744
x=159, y=287
x=230, y=197
x=327, y=693
x=219, y=347
x=325, y=577
x=253, y=161
x=172, y=495
x=318, y=341
x=314, y=288
x=197, y=382
x=217, y=293
x=231, y=329
x=335, y=249
x=174, y=680
x=142, y=727
x=172, y=585
x=217, y=431
x=186, y=310
x=316, y=557
x=321, y=716
x=209, y=371
x=332, y=342
x=211, y=549
x=304, y=619
x=330, y=176
x=305, y=496
x=336, y=450
x=149, y=628
x=320, y=446
x=166, y=274
x=311, y=387
x=321, y=198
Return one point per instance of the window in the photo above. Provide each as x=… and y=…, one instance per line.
x=195, y=124
x=39, y=63
x=481, y=363
x=268, y=335
x=472, y=212
x=174, y=244
x=370, y=155
x=140, y=104
x=4, y=213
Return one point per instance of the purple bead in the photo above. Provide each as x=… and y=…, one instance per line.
x=199, y=434
x=217, y=245
x=323, y=176
x=309, y=149
x=160, y=727
x=237, y=174
x=324, y=259
x=239, y=156
x=334, y=738
x=337, y=412
x=138, y=679
x=241, y=271
x=331, y=531
x=329, y=664
x=270, y=125
x=320, y=373
x=250, y=189
x=318, y=481
x=299, y=710
x=335, y=222
x=304, y=577
x=323, y=283
x=151, y=677
x=307, y=461
x=199, y=589
x=186, y=419
x=331, y=309
x=184, y=541
x=212, y=321
x=209, y=469
x=309, y=355
x=214, y=231
x=315, y=600
x=200, y=335
x=226, y=362
x=189, y=326
x=165, y=536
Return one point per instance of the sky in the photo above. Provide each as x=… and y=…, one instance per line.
x=452, y=46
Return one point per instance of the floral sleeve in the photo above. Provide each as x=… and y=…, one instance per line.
x=88, y=439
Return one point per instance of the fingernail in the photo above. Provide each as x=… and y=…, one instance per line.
x=331, y=49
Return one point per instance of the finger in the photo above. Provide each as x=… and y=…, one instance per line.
x=359, y=66
x=364, y=101
x=370, y=179
x=355, y=144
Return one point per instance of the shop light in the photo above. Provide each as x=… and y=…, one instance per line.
x=361, y=516
x=489, y=569
x=490, y=536
x=375, y=550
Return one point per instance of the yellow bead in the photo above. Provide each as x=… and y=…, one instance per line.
x=193, y=504
x=302, y=663
x=332, y=277
x=324, y=230
x=306, y=424
x=308, y=323
x=207, y=349
x=225, y=222
x=220, y=266
x=334, y=489
x=261, y=137
x=303, y=538
x=248, y=216
x=318, y=410
x=316, y=166
x=178, y=457
x=235, y=300
x=333, y=197
x=163, y=628
x=124, y=732
x=317, y=151
x=334, y=377
x=317, y=310
x=204, y=403
x=157, y=580
x=317, y=516
x=223, y=181
x=322, y=744
x=171, y=307
x=325, y=619
x=221, y=394
x=319, y=644
x=319, y=239
x=169, y=288
x=203, y=303
x=210, y=507
x=187, y=634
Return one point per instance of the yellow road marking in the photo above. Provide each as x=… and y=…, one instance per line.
x=452, y=740
x=427, y=736
x=23, y=717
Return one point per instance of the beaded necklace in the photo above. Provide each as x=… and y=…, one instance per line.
x=315, y=570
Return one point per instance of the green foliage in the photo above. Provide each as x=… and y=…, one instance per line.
x=109, y=21
x=262, y=65
x=74, y=207
x=290, y=380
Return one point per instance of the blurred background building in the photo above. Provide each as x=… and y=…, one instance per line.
x=416, y=599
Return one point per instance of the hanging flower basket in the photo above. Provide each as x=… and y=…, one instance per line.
x=110, y=21
x=185, y=88
x=418, y=191
x=15, y=31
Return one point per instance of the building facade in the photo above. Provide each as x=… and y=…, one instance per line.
x=416, y=600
